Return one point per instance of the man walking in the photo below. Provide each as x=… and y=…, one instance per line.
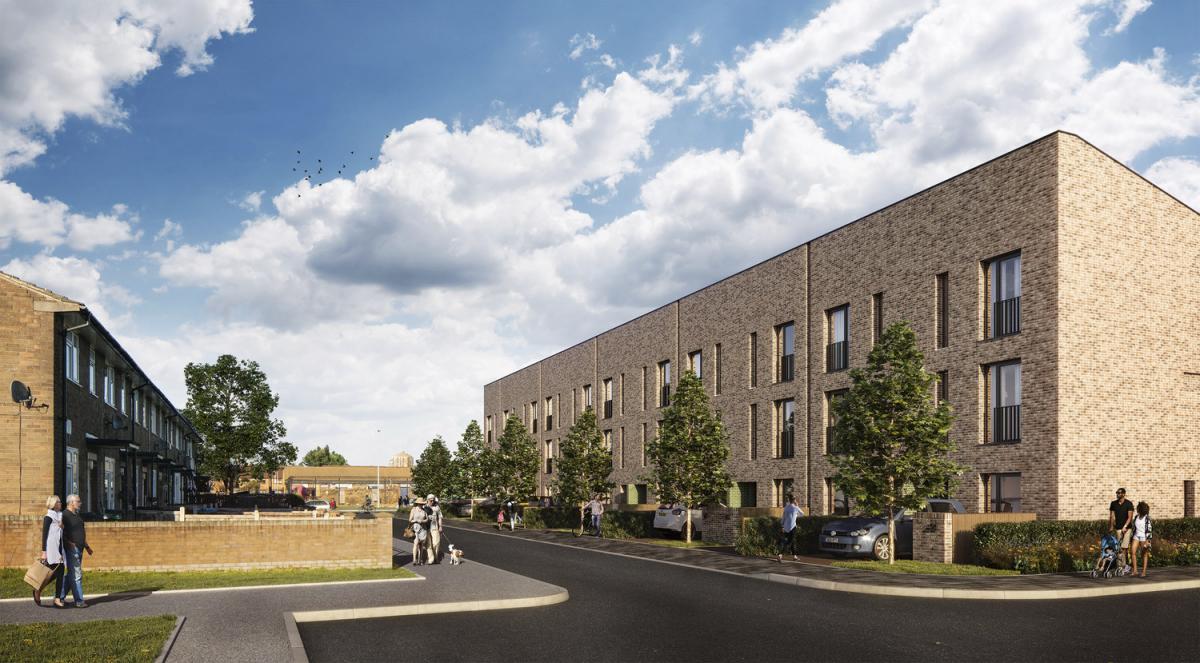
x=597, y=511
x=435, y=528
x=1120, y=520
x=791, y=513
x=74, y=543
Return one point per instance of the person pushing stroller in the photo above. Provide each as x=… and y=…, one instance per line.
x=1107, y=562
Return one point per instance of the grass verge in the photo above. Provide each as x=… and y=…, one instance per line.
x=125, y=640
x=676, y=543
x=924, y=568
x=12, y=584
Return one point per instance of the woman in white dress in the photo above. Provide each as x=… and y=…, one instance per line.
x=52, y=554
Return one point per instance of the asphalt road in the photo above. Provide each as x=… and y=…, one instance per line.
x=623, y=609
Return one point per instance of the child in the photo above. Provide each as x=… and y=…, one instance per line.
x=1142, y=535
x=500, y=519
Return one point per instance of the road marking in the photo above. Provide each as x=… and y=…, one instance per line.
x=429, y=608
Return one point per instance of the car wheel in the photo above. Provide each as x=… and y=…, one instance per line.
x=880, y=549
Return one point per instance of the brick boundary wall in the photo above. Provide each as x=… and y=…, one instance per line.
x=202, y=546
x=723, y=524
x=948, y=537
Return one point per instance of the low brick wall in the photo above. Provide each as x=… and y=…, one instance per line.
x=947, y=537
x=207, y=545
x=722, y=524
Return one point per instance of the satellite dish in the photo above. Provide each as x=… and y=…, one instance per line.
x=20, y=393
x=118, y=422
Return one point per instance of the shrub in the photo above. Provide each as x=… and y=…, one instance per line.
x=1049, y=546
x=759, y=537
x=626, y=524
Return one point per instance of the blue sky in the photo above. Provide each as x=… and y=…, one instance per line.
x=820, y=111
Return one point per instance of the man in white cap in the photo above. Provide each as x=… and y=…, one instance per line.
x=435, y=528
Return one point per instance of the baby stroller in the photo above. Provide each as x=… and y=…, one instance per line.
x=587, y=522
x=1107, y=564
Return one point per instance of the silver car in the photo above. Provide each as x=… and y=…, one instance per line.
x=671, y=518
x=867, y=535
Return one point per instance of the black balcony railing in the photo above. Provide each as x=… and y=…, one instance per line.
x=787, y=368
x=832, y=445
x=664, y=398
x=787, y=443
x=837, y=356
x=608, y=409
x=1006, y=423
x=549, y=423
x=549, y=466
x=1006, y=317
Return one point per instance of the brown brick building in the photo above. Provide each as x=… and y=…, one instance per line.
x=99, y=428
x=1054, y=291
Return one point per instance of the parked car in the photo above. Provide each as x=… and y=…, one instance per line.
x=671, y=518
x=867, y=535
x=317, y=505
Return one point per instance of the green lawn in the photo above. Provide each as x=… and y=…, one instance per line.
x=925, y=568
x=12, y=584
x=117, y=640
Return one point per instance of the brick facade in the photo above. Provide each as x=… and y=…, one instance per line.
x=1108, y=353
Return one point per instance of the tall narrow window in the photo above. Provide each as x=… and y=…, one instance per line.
x=92, y=371
x=785, y=344
x=752, y=425
x=785, y=426
x=837, y=352
x=110, y=385
x=587, y=396
x=942, y=319
x=1004, y=395
x=644, y=386
x=533, y=416
x=753, y=351
x=831, y=401
x=782, y=488
x=1004, y=493
x=549, y=457
x=488, y=426
x=1004, y=286
x=838, y=505
x=608, y=398
x=696, y=363
x=717, y=370
x=644, y=441
x=664, y=383
x=71, y=358
x=621, y=400
x=608, y=440
x=877, y=317
x=549, y=413
x=621, y=452
x=943, y=387
x=124, y=395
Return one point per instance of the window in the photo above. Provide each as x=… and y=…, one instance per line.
x=877, y=317
x=608, y=445
x=533, y=416
x=743, y=494
x=110, y=484
x=783, y=488
x=753, y=427
x=92, y=371
x=124, y=396
x=664, y=383
x=643, y=445
x=71, y=480
x=1004, y=287
x=110, y=386
x=1003, y=493
x=696, y=363
x=643, y=388
x=837, y=352
x=753, y=352
x=488, y=428
x=621, y=451
x=549, y=457
x=785, y=425
x=942, y=319
x=943, y=388
x=587, y=396
x=717, y=371
x=608, y=398
x=831, y=402
x=1004, y=399
x=785, y=345
x=838, y=505
x=549, y=413
x=636, y=494
x=621, y=400
x=71, y=357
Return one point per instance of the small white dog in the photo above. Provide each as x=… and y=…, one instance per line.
x=456, y=555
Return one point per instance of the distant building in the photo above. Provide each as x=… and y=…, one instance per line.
x=401, y=460
x=348, y=484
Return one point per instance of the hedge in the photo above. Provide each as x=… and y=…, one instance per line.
x=1049, y=546
x=614, y=524
x=759, y=537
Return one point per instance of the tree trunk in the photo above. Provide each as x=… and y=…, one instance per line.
x=582, y=524
x=891, y=534
x=688, y=525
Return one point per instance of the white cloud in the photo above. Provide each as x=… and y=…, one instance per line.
x=608, y=61
x=695, y=38
x=668, y=74
x=51, y=223
x=78, y=279
x=1129, y=9
x=252, y=202
x=1179, y=176
x=169, y=229
x=583, y=42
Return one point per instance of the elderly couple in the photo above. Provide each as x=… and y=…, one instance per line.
x=63, y=542
x=426, y=522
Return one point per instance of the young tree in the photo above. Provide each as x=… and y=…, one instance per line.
x=585, y=464
x=322, y=456
x=433, y=473
x=894, y=437
x=472, y=464
x=516, y=462
x=230, y=404
x=690, y=451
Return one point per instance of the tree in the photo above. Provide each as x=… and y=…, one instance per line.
x=230, y=404
x=472, y=464
x=515, y=470
x=894, y=438
x=585, y=464
x=433, y=473
x=322, y=456
x=690, y=451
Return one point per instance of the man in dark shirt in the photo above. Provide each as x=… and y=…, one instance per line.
x=1120, y=520
x=74, y=543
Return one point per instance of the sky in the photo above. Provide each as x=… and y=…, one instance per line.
x=509, y=179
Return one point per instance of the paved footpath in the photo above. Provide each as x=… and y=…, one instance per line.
x=240, y=624
x=824, y=576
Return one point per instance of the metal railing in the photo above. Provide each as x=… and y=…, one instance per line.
x=787, y=368
x=1006, y=423
x=1006, y=317
x=837, y=356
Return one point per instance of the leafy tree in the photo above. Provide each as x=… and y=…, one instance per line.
x=433, y=473
x=322, y=456
x=230, y=404
x=472, y=464
x=585, y=464
x=515, y=470
x=690, y=451
x=895, y=439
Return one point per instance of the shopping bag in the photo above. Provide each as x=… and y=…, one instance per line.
x=39, y=575
x=408, y=532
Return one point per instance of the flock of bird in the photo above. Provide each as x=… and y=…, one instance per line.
x=317, y=170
